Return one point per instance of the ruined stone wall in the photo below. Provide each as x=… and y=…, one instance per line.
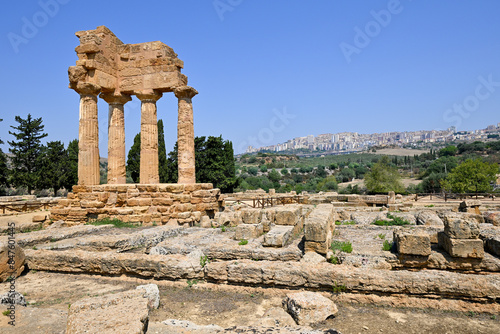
x=139, y=203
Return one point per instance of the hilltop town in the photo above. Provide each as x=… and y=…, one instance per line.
x=356, y=142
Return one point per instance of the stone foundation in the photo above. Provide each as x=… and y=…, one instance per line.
x=142, y=203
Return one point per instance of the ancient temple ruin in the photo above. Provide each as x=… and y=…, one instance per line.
x=114, y=71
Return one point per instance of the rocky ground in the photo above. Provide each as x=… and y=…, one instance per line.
x=50, y=294
x=208, y=276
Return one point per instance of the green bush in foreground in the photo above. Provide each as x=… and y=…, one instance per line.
x=116, y=222
x=243, y=242
x=344, y=246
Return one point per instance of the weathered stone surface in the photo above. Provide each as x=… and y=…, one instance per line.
x=287, y=215
x=88, y=144
x=309, y=307
x=366, y=218
x=116, y=137
x=312, y=257
x=185, y=134
x=251, y=216
x=278, y=236
x=461, y=229
x=412, y=244
x=205, y=222
x=13, y=298
x=124, y=312
x=429, y=218
x=491, y=237
x=221, y=245
x=152, y=293
x=276, y=317
x=230, y=218
x=320, y=224
x=470, y=205
x=248, y=231
x=37, y=237
x=173, y=326
x=111, y=263
x=467, y=248
x=492, y=217
x=12, y=258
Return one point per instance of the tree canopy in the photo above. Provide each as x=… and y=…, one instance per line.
x=383, y=178
x=472, y=176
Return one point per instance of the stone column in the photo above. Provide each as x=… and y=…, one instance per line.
x=149, y=138
x=116, y=137
x=88, y=137
x=185, y=135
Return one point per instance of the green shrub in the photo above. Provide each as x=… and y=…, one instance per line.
x=387, y=246
x=334, y=260
x=344, y=246
x=338, y=288
x=394, y=221
x=243, y=242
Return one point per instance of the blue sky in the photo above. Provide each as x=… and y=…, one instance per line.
x=268, y=71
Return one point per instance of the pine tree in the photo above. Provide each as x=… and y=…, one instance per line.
x=134, y=159
x=25, y=149
x=71, y=177
x=162, y=154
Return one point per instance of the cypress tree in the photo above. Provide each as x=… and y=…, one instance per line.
x=162, y=154
x=134, y=159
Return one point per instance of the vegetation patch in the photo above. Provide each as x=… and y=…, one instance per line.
x=387, y=245
x=243, y=242
x=394, y=221
x=115, y=222
x=345, y=222
x=344, y=246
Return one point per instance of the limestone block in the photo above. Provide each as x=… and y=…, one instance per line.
x=470, y=205
x=152, y=293
x=409, y=243
x=205, y=222
x=451, y=216
x=466, y=248
x=429, y=218
x=287, y=215
x=125, y=312
x=40, y=218
x=492, y=217
x=461, y=229
x=309, y=307
x=139, y=201
x=248, y=231
x=278, y=236
x=12, y=259
x=315, y=246
x=493, y=245
x=251, y=216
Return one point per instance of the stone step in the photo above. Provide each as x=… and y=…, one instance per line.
x=484, y=288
